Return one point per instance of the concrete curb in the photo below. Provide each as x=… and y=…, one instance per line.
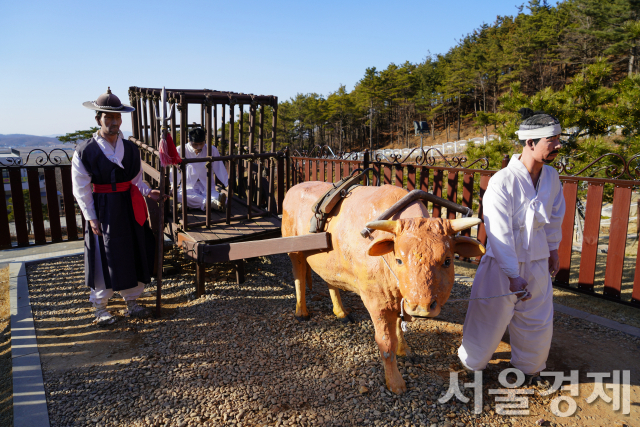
x=612, y=324
x=29, y=398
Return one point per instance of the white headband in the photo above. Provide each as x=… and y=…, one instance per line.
x=545, y=132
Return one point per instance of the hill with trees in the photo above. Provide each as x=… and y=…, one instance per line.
x=577, y=60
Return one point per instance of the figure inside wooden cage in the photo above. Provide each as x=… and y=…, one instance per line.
x=197, y=175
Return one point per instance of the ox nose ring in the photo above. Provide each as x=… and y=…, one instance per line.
x=433, y=305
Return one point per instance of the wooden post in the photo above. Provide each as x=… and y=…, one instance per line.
x=36, y=206
x=260, y=202
x=482, y=232
x=184, y=137
x=467, y=196
x=452, y=192
x=69, y=205
x=174, y=196
x=288, y=171
x=5, y=234
x=437, y=190
x=52, y=203
x=252, y=124
x=209, y=166
x=570, y=191
x=239, y=267
x=231, y=132
x=134, y=117
x=160, y=244
x=281, y=189
x=617, y=239
x=590, y=237
x=230, y=189
x=19, y=213
x=215, y=125
x=200, y=280
x=399, y=176
x=222, y=126
x=505, y=161
x=145, y=127
x=272, y=171
x=242, y=190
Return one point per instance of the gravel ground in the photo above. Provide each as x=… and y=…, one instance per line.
x=238, y=357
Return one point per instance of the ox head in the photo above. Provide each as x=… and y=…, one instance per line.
x=423, y=251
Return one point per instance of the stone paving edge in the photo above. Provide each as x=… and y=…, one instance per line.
x=29, y=398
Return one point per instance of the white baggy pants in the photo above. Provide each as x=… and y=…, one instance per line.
x=196, y=198
x=530, y=322
x=101, y=294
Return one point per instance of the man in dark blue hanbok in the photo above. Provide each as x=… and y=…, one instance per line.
x=107, y=183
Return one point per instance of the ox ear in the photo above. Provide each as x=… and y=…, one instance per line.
x=381, y=246
x=467, y=247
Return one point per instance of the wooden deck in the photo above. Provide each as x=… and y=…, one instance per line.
x=262, y=225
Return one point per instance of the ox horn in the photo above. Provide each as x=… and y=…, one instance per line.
x=463, y=223
x=386, y=225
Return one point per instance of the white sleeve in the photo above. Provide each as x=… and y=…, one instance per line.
x=554, y=228
x=498, y=214
x=138, y=182
x=219, y=169
x=82, y=188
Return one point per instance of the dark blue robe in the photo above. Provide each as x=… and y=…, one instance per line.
x=127, y=249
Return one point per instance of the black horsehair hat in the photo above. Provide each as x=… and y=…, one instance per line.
x=197, y=135
x=108, y=103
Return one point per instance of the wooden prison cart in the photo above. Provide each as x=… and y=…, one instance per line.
x=256, y=178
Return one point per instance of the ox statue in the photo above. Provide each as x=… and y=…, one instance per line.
x=419, y=251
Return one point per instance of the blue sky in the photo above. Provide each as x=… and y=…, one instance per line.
x=56, y=55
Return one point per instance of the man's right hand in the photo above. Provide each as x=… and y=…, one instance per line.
x=519, y=284
x=95, y=227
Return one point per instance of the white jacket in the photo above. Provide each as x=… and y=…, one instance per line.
x=198, y=171
x=522, y=224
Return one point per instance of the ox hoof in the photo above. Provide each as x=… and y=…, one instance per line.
x=347, y=319
x=303, y=318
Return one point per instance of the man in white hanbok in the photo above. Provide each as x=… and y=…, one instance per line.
x=523, y=211
x=197, y=175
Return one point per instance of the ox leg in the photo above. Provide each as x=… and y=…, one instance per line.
x=300, y=268
x=403, y=347
x=309, y=283
x=338, y=308
x=385, y=325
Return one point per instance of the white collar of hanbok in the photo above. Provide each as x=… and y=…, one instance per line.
x=535, y=209
x=114, y=155
x=193, y=152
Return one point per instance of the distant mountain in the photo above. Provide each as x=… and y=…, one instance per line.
x=18, y=140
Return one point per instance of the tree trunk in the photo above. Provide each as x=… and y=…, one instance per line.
x=371, y=125
x=459, y=117
x=632, y=58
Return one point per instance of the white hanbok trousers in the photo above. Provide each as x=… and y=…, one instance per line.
x=196, y=197
x=530, y=322
x=101, y=294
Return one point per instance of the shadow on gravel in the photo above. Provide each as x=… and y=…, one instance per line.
x=238, y=357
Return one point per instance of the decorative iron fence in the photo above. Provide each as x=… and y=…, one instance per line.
x=597, y=254
x=36, y=200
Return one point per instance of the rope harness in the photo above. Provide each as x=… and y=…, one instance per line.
x=403, y=323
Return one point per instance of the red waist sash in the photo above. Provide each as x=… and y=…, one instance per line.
x=139, y=206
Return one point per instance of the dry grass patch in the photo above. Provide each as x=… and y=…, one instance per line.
x=6, y=385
